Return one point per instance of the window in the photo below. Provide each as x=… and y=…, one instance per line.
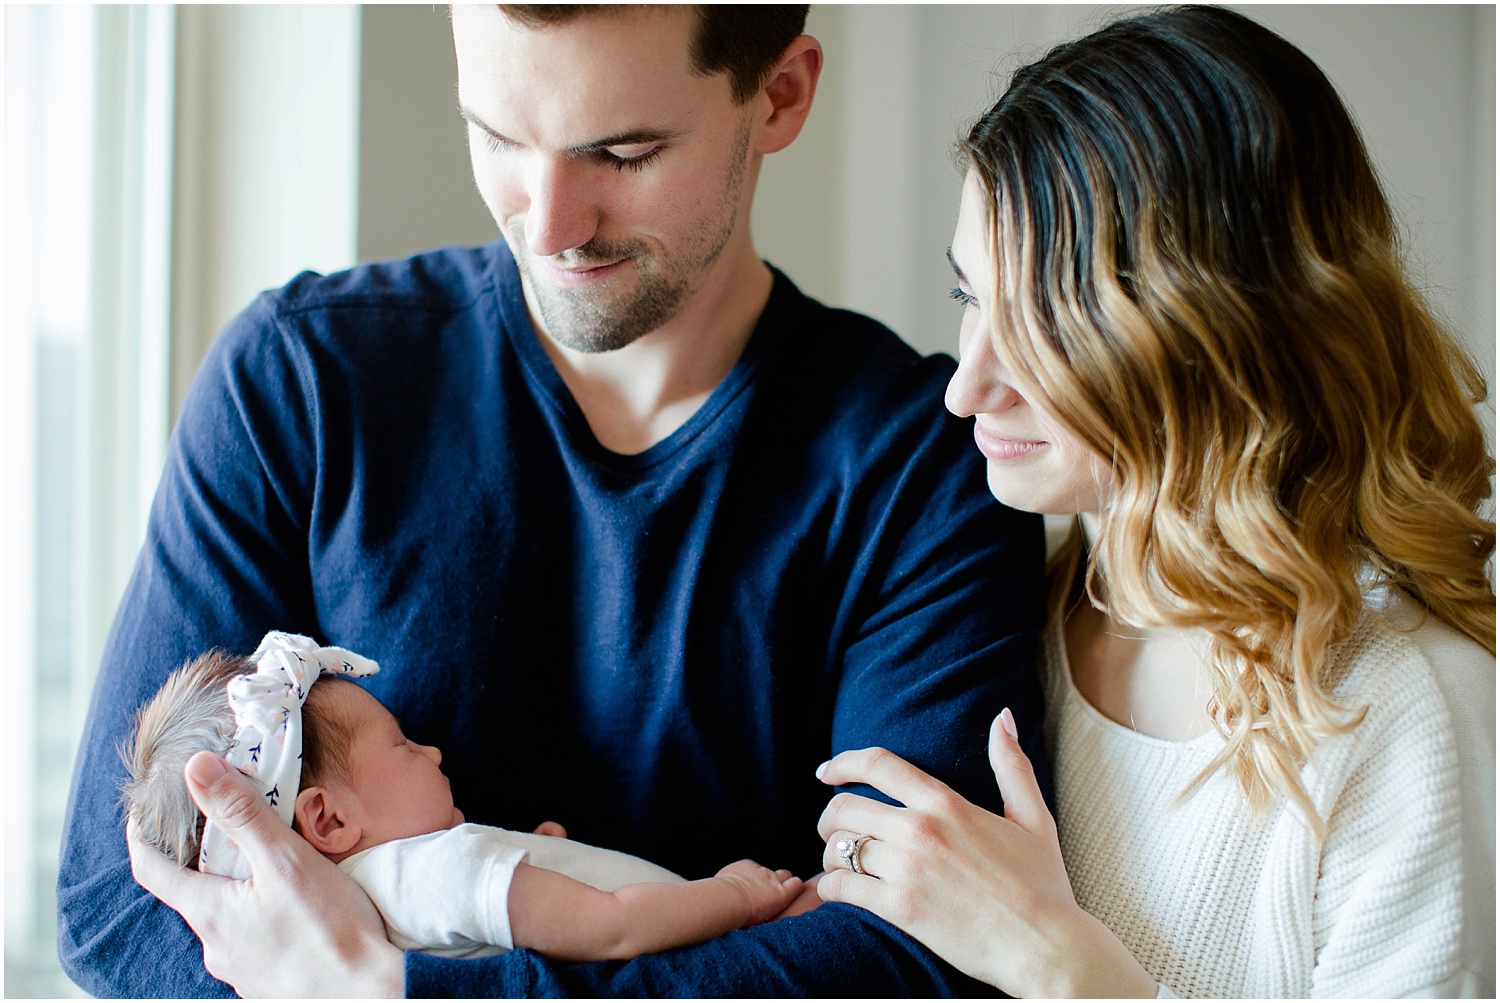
x=88, y=111
x=132, y=233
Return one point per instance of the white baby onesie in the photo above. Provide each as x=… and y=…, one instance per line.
x=446, y=893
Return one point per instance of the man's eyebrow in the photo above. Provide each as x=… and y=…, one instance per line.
x=631, y=137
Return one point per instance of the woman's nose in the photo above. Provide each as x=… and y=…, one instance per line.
x=980, y=385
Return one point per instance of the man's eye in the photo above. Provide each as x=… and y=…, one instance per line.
x=630, y=158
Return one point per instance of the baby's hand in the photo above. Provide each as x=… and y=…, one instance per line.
x=766, y=892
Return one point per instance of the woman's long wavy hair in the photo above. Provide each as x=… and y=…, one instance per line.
x=1203, y=281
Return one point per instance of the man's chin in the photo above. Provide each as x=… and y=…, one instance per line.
x=595, y=338
x=605, y=319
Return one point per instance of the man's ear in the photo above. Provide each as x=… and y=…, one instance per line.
x=323, y=824
x=789, y=90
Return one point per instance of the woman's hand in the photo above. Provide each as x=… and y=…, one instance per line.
x=988, y=894
x=299, y=927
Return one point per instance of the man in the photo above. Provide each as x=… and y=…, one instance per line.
x=639, y=535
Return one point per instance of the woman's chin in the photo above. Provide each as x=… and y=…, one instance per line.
x=1027, y=491
x=1011, y=490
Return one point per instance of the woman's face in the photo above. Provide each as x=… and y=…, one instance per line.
x=1034, y=463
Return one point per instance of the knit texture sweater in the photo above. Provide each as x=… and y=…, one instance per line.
x=1215, y=900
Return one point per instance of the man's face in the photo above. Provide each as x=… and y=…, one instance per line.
x=617, y=175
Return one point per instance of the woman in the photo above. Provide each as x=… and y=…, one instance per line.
x=1270, y=660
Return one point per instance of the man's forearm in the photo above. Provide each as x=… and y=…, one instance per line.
x=835, y=950
x=115, y=940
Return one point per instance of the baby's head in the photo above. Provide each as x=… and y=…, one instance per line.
x=362, y=782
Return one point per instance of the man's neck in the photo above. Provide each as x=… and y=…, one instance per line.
x=638, y=395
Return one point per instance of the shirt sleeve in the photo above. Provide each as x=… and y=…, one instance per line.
x=835, y=950
x=225, y=554
x=937, y=634
x=1406, y=887
x=446, y=891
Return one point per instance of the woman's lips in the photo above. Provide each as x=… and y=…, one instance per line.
x=1001, y=447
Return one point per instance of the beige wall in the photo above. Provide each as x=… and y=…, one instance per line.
x=415, y=189
x=860, y=209
x=264, y=159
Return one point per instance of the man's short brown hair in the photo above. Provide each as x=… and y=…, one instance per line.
x=743, y=40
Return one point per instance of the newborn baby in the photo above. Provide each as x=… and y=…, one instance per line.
x=334, y=763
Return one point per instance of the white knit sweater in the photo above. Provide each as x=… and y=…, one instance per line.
x=1216, y=901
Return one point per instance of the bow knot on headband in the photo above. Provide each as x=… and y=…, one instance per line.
x=267, y=747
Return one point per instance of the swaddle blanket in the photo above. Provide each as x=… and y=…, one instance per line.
x=267, y=705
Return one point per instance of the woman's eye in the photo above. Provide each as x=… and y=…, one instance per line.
x=958, y=294
x=492, y=143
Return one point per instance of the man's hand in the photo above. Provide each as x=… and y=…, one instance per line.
x=298, y=927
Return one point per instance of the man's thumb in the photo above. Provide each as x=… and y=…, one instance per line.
x=230, y=801
x=204, y=768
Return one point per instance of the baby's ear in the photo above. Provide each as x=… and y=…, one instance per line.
x=322, y=824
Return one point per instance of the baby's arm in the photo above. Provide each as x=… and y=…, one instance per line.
x=571, y=921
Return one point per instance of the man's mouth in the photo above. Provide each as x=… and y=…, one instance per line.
x=581, y=274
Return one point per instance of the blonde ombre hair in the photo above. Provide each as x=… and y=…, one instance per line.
x=1204, y=283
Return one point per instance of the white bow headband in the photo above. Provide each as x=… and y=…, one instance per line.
x=267, y=748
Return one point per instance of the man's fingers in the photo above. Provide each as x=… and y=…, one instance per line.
x=231, y=802
x=150, y=868
x=1016, y=777
x=197, y=898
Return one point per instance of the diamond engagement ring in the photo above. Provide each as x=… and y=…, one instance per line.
x=847, y=848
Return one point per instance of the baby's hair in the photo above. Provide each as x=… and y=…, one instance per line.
x=326, y=733
x=190, y=714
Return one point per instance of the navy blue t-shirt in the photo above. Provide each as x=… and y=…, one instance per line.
x=654, y=650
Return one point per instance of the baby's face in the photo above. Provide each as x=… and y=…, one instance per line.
x=398, y=789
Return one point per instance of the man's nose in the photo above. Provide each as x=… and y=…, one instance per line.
x=561, y=213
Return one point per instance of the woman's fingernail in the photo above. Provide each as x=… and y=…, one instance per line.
x=819, y=771
x=205, y=769
x=1008, y=722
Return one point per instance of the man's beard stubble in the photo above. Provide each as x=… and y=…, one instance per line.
x=588, y=322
